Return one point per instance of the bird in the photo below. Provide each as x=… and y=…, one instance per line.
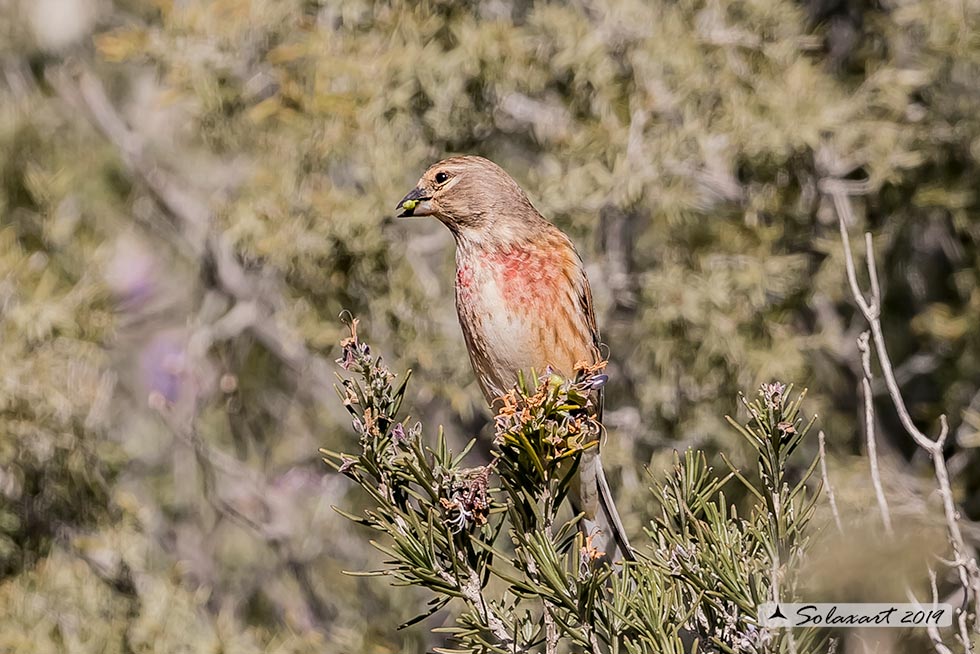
x=523, y=302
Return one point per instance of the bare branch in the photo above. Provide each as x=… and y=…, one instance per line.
x=826, y=482
x=966, y=565
x=872, y=312
x=869, y=254
x=845, y=215
x=869, y=431
x=931, y=629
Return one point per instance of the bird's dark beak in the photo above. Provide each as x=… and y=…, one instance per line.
x=416, y=203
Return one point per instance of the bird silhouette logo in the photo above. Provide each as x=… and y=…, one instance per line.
x=771, y=615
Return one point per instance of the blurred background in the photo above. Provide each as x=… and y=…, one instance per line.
x=191, y=192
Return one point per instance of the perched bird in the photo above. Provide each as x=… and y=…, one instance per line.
x=523, y=302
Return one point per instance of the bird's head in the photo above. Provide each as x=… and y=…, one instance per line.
x=472, y=196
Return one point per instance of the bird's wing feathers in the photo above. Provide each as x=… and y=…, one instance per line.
x=585, y=299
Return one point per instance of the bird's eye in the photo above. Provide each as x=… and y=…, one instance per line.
x=442, y=177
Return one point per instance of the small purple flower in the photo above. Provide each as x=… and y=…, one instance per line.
x=163, y=365
x=398, y=434
x=347, y=360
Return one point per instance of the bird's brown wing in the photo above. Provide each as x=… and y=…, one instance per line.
x=587, y=308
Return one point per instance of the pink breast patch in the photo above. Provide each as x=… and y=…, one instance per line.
x=526, y=275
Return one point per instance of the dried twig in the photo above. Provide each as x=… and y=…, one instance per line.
x=966, y=565
x=932, y=630
x=869, y=431
x=826, y=482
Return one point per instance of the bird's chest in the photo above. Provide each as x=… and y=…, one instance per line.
x=501, y=304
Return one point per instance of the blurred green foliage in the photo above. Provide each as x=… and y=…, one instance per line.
x=158, y=464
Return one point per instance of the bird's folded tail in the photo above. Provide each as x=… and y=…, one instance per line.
x=601, y=524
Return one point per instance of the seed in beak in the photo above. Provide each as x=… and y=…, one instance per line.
x=409, y=205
